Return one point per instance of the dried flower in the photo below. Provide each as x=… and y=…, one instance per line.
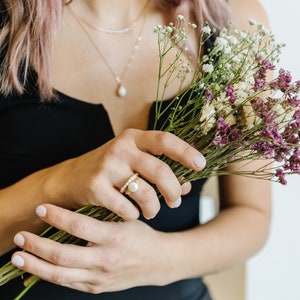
x=233, y=109
x=230, y=112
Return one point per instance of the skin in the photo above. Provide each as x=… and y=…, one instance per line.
x=118, y=253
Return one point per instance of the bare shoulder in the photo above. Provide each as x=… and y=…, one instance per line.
x=243, y=10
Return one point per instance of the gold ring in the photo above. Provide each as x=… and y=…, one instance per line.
x=131, y=185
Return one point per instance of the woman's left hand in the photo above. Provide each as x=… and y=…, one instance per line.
x=118, y=255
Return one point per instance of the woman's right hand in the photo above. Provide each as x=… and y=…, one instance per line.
x=97, y=176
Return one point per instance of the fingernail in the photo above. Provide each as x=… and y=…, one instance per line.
x=18, y=261
x=177, y=203
x=199, y=161
x=19, y=240
x=41, y=211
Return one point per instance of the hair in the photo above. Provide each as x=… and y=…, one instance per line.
x=27, y=29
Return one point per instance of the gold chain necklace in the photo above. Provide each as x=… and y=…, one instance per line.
x=121, y=91
x=112, y=31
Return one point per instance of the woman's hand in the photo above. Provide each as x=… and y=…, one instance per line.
x=118, y=255
x=97, y=177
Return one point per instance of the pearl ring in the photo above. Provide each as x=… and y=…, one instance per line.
x=131, y=185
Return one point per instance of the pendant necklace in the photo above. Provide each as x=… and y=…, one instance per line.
x=121, y=90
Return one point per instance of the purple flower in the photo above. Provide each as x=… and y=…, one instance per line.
x=293, y=163
x=283, y=81
x=230, y=93
x=208, y=95
x=224, y=134
x=261, y=74
x=281, y=176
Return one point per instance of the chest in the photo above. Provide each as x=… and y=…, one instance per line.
x=88, y=65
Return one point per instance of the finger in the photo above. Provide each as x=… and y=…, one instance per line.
x=160, y=142
x=161, y=175
x=65, y=255
x=48, y=271
x=186, y=188
x=76, y=224
x=114, y=201
x=146, y=198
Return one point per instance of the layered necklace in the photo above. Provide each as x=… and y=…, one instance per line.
x=121, y=90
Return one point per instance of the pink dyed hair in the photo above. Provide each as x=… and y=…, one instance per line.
x=28, y=27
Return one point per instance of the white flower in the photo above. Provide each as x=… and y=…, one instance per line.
x=157, y=28
x=193, y=25
x=230, y=119
x=251, y=119
x=205, y=58
x=207, y=118
x=208, y=68
x=252, y=22
x=284, y=116
x=169, y=29
x=232, y=40
x=221, y=42
x=201, y=85
x=206, y=29
x=180, y=18
x=208, y=111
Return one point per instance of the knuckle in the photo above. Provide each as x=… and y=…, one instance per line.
x=29, y=246
x=98, y=285
x=78, y=227
x=60, y=277
x=122, y=209
x=186, y=151
x=129, y=132
x=119, y=146
x=95, y=185
x=39, y=271
x=94, y=289
x=161, y=169
x=163, y=138
x=60, y=257
x=148, y=197
x=109, y=263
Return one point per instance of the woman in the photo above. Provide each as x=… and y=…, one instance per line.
x=65, y=141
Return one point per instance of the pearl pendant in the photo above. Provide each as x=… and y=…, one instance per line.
x=121, y=91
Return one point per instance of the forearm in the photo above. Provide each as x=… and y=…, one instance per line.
x=235, y=235
x=19, y=201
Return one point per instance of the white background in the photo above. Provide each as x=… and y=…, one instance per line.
x=274, y=274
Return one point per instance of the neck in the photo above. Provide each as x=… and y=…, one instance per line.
x=109, y=13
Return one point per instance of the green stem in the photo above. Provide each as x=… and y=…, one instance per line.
x=33, y=281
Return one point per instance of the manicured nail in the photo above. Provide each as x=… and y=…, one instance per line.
x=199, y=161
x=41, y=211
x=18, y=261
x=19, y=240
x=177, y=203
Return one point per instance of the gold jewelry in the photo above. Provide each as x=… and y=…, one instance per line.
x=113, y=31
x=121, y=90
x=131, y=185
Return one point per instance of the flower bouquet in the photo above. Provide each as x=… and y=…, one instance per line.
x=230, y=112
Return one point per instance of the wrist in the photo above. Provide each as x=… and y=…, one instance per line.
x=56, y=185
x=171, y=258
